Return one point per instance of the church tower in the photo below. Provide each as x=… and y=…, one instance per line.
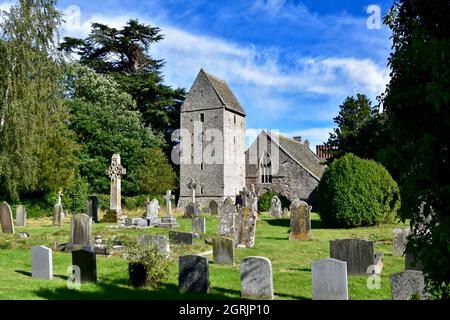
x=212, y=130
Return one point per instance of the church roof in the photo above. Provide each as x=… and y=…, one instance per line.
x=224, y=93
x=301, y=153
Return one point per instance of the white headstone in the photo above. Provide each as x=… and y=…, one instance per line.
x=41, y=263
x=21, y=216
x=329, y=280
x=256, y=278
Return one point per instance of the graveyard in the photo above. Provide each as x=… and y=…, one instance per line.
x=291, y=262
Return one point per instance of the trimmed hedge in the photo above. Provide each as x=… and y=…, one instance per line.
x=354, y=192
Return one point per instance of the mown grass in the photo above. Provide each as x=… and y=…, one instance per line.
x=291, y=262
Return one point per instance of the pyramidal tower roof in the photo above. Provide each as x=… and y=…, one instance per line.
x=224, y=93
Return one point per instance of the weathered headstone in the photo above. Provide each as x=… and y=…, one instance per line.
x=286, y=213
x=399, y=239
x=152, y=210
x=275, y=207
x=224, y=250
x=246, y=227
x=300, y=221
x=407, y=284
x=139, y=222
x=193, y=273
x=115, y=173
x=412, y=262
x=92, y=208
x=21, y=216
x=58, y=215
x=358, y=253
x=85, y=259
x=6, y=218
x=161, y=242
x=192, y=210
x=256, y=278
x=329, y=279
x=80, y=232
x=41, y=263
x=181, y=238
x=227, y=227
x=214, y=208
x=198, y=226
x=168, y=221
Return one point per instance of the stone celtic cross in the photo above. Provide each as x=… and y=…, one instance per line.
x=115, y=172
x=168, y=197
x=192, y=185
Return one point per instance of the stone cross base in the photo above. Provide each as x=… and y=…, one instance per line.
x=112, y=215
x=168, y=222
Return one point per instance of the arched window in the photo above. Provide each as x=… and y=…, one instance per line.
x=265, y=168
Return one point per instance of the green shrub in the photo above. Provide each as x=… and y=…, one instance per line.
x=156, y=265
x=265, y=200
x=75, y=198
x=357, y=193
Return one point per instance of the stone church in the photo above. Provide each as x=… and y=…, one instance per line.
x=212, y=144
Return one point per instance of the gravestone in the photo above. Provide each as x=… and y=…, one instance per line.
x=399, y=239
x=406, y=284
x=6, y=218
x=286, y=213
x=246, y=228
x=21, y=216
x=275, y=207
x=80, y=232
x=161, y=242
x=412, y=262
x=198, y=226
x=192, y=210
x=358, y=253
x=92, y=208
x=214, y=208
x=115, y=173
x=58, y=215
x=329, y=279
x=193, y=273
x=41, y=263
x=152, y=210
x=227, y=216
x=185, y=238
x=168, y=221
x=300, y=221
x=85, y=259
x=256, y=278
x=139, y=222
x=224, y=250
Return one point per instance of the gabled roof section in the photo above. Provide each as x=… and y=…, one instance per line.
x=300, y=152
x=224, y=93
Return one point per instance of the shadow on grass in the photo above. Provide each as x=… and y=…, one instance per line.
x=25, y=273
x=116, y=291
x=315, y=224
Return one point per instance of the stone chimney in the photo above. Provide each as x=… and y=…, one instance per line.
x=298, y=138
x=306, y=143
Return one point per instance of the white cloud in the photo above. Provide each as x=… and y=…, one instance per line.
x=315, y=136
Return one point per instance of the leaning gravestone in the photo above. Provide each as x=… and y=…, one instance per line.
x=6, y=218
x=358, y=253
x=152, y=210
x=329, y=280
x=58, y=215
x=80, y=232
x=256, y=278
x=275, y=207
x=21, y=216
x=227, y=216
x=185, y=238
x=193, y=273
x=198, y=226
x=406, y=284
x=92, y=208
x=41, y=263
x=214, y=208
x=161, y=242
x=399, y=239
x=300, y=221
x=224, y=250
x=85, y=259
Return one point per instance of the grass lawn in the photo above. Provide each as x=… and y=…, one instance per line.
x=291, y=262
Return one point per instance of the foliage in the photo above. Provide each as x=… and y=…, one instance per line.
x=417, y=103
x=359, y=129
x=155, y=175
x=357, y=193
x=75, y=198
x=104, y=125
x=32, y=128
x=265, y=201
x=123, y=54
x=156, y=264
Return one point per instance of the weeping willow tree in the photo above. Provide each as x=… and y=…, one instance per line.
x=37, y=152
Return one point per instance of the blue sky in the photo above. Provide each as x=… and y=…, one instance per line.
x=290, y=63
